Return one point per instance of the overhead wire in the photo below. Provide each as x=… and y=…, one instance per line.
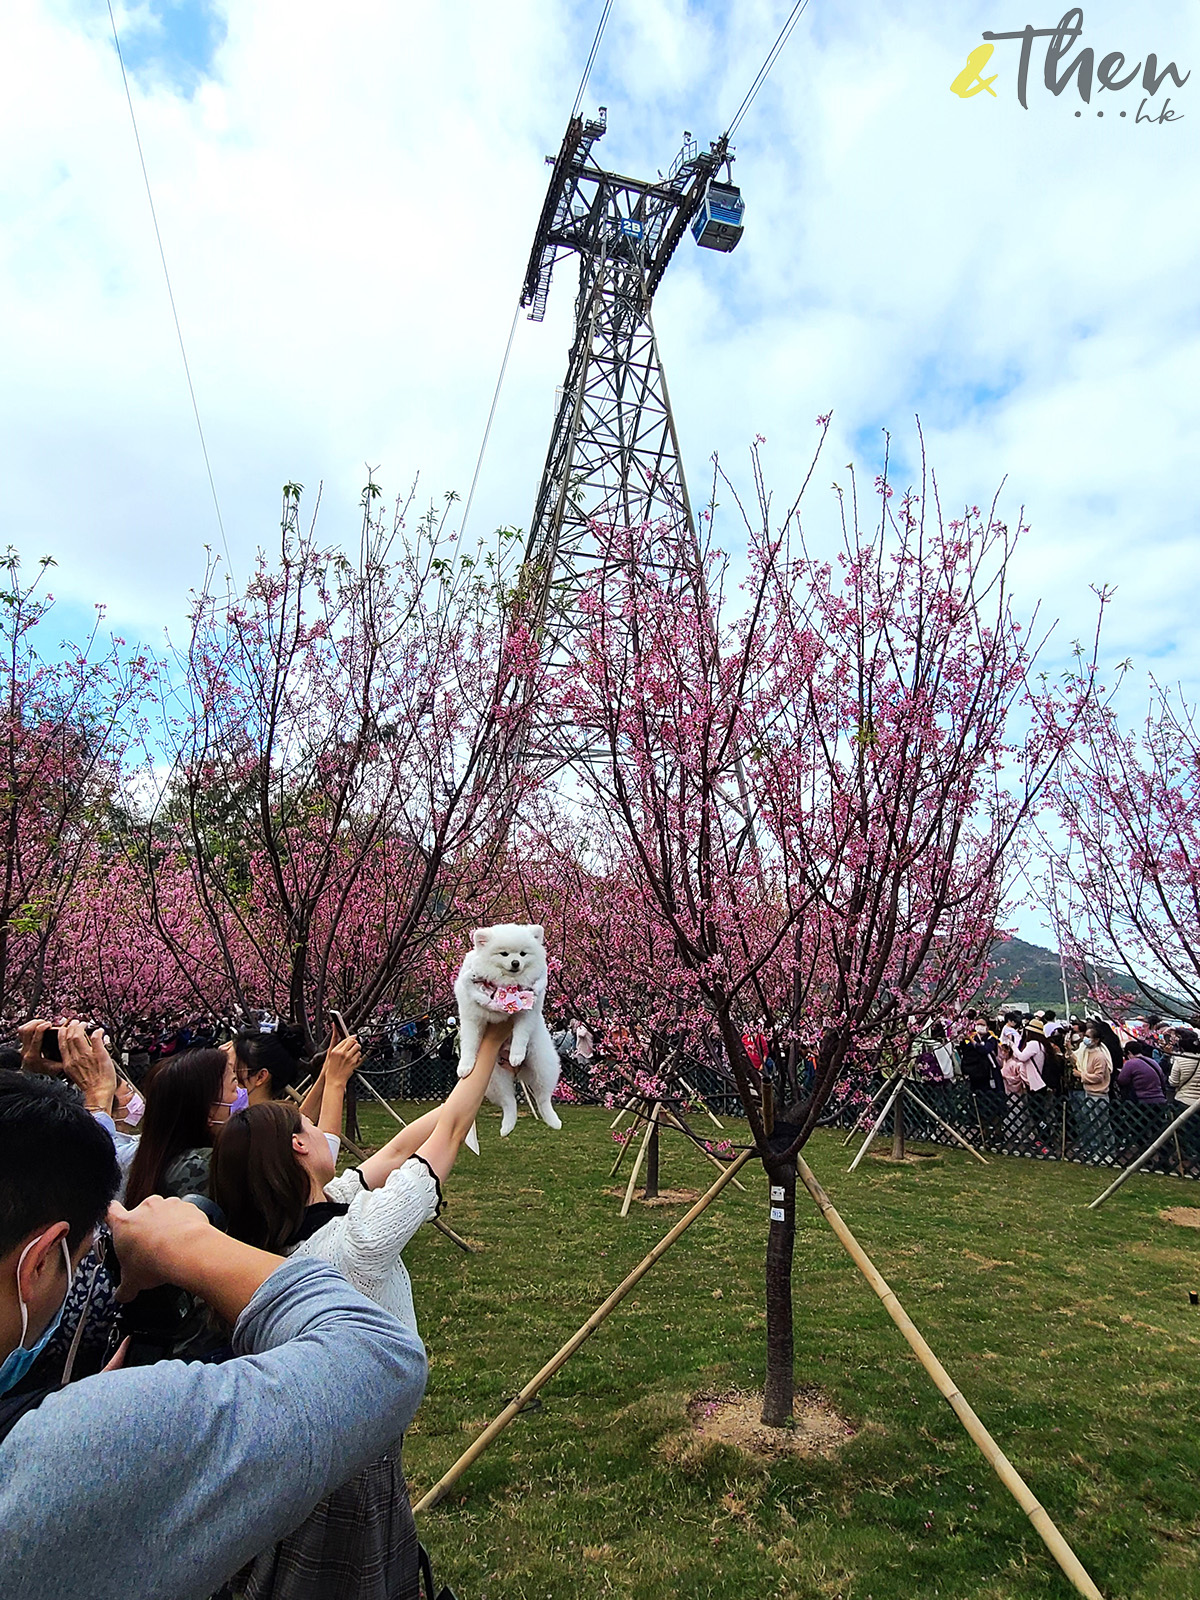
x=785, y=32
x=587, y=71
x=162, y=255
x=487, y=432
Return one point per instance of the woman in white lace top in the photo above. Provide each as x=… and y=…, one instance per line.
x=273, y=1176
x=274, y=1179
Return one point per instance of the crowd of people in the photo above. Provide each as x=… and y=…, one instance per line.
x=1089, y=1062
x=204, y=1321
x=204, y=1324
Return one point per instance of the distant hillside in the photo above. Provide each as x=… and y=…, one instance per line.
x=1029, y=975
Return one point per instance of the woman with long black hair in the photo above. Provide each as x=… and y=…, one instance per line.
x=188, y=1101
x=273, y=1177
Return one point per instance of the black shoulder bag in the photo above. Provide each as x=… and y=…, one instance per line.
x=428, y=1589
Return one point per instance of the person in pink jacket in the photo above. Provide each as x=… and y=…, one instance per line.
x=1094, y=1070
x=1021, y=1070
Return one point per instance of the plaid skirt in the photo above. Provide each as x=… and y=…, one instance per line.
x=360, y=1543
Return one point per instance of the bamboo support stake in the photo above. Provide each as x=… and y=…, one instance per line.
x=533, y=1110
x=447, y=1481
x=630, y=1136
x=637, y=1165
x=1146, y=1154
x=953, y=1132
x=390, y=1109
x=979, y=1120
x=991, y=1451
x=675, y=1121
x=866, y=1111
x=866, y=1144
x=624, y=1112
x=454, y=1238
x=700, y=1100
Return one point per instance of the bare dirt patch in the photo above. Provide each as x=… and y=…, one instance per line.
x=664, y=1197
x=911, y=1158
x=734, y=1418
x=1182, y=1216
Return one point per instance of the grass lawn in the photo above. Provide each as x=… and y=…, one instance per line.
x=1069, y=1332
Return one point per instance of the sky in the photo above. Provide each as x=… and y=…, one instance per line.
x=346, y=198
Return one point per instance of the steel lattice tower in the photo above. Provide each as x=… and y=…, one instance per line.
x=614, y=452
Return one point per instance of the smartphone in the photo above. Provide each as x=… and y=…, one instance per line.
x=340, y=1030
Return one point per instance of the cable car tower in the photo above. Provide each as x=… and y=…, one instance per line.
x=614, y=453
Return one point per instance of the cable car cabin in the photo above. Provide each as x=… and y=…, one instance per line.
x=718, y=223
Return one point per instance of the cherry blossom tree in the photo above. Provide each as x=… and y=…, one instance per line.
x=1127, y=884
x=816, y=779
x=67, y=712
x=343, y=744
x=108, y=962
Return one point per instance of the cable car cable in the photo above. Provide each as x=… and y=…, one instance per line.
x=162, y=255
x=587, y=71
x=773, y=55
x=491, y=415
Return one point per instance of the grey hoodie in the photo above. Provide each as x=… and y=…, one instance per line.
x=159, y=1482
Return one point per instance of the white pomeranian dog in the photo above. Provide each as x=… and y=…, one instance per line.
x=504, y=974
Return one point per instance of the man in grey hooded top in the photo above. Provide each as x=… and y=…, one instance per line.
x=159, y=1482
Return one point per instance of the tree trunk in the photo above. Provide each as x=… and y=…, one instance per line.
x=779, y=1387
x=652, y=1165
x=898, y=1128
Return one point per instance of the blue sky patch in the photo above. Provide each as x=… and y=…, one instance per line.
x=174, y=40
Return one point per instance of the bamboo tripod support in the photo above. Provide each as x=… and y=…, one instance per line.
x=675, y=1121
x=387, y=1106
x=623, y=1113
x=903, y=1087
x=866, y=1111
x=699, y=1100
x=579, y=1337
x=953, y=1132
x=1146, y=1154
x=991, y=1451
x=651, y=1124
x=877, y=1124
x=622, y=1147
x=668, y=1118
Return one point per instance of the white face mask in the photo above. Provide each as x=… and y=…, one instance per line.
x=335, y=1144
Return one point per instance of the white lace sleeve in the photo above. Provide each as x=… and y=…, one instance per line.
x=380, y=1222
x=345, y=1187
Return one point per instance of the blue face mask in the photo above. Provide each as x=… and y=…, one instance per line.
x=240, y=1100
x=15, y=1366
